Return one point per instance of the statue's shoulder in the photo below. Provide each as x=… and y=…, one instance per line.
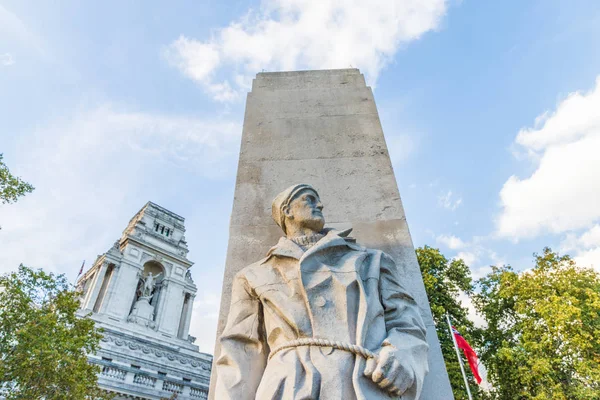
x=382, y=256
x=252, y=270
x=350, y=241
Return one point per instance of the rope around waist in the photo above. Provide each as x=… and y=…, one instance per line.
x=351, y=348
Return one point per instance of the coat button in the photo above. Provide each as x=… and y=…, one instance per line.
x=320, y=301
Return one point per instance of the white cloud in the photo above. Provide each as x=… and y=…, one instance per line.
x=7, y=59
x=491, y=258
x=448, y=201
x=451, y=241
x=589, y=258
x=584, y=248
x=303, y=34
x=588, y=239
x=468, y=257
x=92, y=171
x=562, y=193
x=591, y=237
x=474, y=316
x=474, y=253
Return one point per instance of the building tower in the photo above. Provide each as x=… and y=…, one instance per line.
x=141, y=293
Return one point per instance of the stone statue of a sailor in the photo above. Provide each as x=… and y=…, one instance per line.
x=320, y=318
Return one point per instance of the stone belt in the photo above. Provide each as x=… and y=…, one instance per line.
x=351, y=348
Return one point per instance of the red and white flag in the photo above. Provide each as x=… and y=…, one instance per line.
x=469, y=353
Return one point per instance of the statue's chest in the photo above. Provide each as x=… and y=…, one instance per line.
x=287, y=277
x=334, y=291
x=332, y=268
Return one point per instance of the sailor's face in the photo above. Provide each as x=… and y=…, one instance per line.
x=306, y=210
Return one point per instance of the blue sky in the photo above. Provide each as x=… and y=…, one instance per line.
x=491, y=111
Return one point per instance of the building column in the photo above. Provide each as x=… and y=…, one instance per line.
x=188, y=317
x=158, y=310
x=88, y=285
x=100, y=275
x=111, y=289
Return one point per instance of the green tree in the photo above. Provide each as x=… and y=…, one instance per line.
x=444, y=280
x=542, y=339
x=43, y=344
x=11, y=187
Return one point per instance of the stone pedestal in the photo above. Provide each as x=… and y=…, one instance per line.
x=322, y=128
x=143, y=313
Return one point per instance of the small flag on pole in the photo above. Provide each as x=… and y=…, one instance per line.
x=469, y=353
x=81, y=269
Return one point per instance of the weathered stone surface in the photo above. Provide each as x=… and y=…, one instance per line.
x=322, y=128
x=303, y=80
x=360, y=206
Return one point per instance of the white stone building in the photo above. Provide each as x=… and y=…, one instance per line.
x=141, y=293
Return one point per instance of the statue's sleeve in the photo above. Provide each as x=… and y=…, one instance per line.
x=405, y=327
x=243, y=348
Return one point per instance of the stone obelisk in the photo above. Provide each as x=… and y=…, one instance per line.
x=322, y=128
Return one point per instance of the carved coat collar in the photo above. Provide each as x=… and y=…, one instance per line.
x=287, y=248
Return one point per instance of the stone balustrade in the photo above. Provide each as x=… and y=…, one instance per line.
x=113, y=373
x=196, y=393
x=145, y=381
x=172, y=387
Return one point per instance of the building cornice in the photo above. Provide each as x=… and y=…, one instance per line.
x=145, y=346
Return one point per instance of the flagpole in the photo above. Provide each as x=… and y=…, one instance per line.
x=462, y=368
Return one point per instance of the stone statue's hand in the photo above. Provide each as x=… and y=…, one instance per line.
x=388, y=372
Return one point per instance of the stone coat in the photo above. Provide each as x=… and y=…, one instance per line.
x=335, y=290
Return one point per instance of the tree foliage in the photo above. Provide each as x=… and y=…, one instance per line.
x=444, y=280
x=43, y=344
x=11, y=187
x=542, y=339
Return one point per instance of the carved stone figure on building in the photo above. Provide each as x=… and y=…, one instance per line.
x=188, y=275
x=149, y=284
x=143, y=311
x=320, y=318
